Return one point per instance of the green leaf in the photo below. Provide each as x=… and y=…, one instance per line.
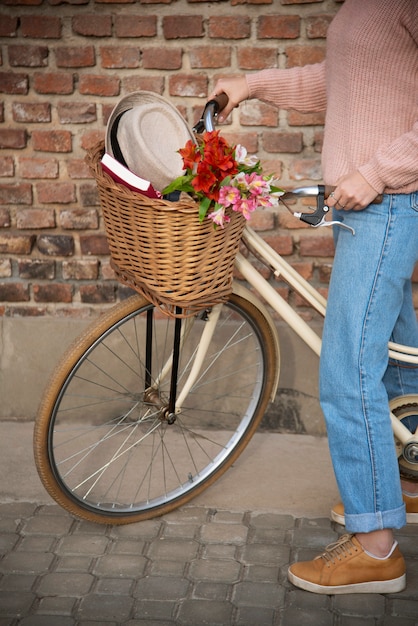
x=182, y=183
x=204, y=208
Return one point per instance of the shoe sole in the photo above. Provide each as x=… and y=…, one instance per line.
x=411, y=518
x=376, y=586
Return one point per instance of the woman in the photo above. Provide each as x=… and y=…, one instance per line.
x=368, y=86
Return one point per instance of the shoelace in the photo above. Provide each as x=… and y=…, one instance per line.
x=338, y=550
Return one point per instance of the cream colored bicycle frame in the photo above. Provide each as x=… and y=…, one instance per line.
x=282, y=269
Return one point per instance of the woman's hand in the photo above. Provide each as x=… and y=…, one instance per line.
x=236, y=89
x=352, y=192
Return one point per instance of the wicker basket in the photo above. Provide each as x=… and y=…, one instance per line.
x=160, y=248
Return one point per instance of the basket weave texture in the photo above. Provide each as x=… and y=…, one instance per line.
x=160, y=249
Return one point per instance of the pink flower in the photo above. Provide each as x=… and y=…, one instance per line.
x=228, y=195
x=219, y=218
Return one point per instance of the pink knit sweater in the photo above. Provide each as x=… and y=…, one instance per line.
x=368, y=85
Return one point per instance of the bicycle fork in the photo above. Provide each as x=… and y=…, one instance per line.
x=170, y=410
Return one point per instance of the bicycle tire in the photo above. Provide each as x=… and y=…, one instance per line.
x=105, y=455
x=405, y=408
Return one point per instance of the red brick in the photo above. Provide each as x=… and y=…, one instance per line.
x=16, y=244
x=35, y=219
x=304, y=55
x=262, y=220
x=136, y=82
x=229, y=27
x=77, y=168
x=14, y=83
x=55, y=245
x=54, y=292
x=54, y=82
x=317, y=246
x=282, y=244
x=5, y=268
x=317, y=26
x=162, y=59
x=52, y=140
x=210, y=56
x=36, y=268
x=91, y=138
x=40, y=26
x=7, y=167
x=324, y=271
x=278, y=27
x=181, y=85
x=5, y=221
x=31, y=112
x=318, y=140
x=96, y=294
x=28, y=56
x=12, y=138
x=76, y=112
x=114, y=57
x=276, y=141
x=249, y=140
x=92, y=25
x=304, y=268
x=14, y=292
x=256, y=58
x=38, y=168
x=8, y=25
x=300, y=1
x=305, y=169
x=75, y=56
x=62, y=193
x=16, y=193
x=294, y=118
x=79, y=219
x=135, y=25
x=94, y=244
x=26, y=311
x=256, y=113
x=83, y=269
x=182, y=26
x=107, y=271
x=99, y=85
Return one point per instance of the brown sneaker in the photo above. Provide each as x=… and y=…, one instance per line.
x=337, y=512
x=345, y=567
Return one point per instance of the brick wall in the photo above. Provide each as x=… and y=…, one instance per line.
x=63, y=66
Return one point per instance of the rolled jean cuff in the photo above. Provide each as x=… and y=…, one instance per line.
x=368, y=522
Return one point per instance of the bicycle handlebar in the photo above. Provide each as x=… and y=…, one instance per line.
x=321, y=192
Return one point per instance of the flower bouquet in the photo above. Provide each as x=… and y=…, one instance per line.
x=219, y=176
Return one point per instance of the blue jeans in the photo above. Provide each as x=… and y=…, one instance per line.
x=369, y=303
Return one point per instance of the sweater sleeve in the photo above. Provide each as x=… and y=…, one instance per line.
x=394, y=165
x=299, y=88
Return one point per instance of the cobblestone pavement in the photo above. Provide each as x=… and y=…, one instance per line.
x=195, y=566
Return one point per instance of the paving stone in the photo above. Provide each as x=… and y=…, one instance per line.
x=65, y=584
x=7, y=542
x=47, y=525
x=261, y=573
x=55, y=605
x=155, y=609
x=266, y=554
x=105, y=608
x=225, y=533
x=271, y=520
x=26, y=562
x=167, y=568
x=173, y=549
x=122, y=565
x=205, y=613
x=144, y=530
x=161, y=587
x=74, y=564
x=115, y=586
x=82, y=544
x=15, y=604
x=293, y=617
x=220, y=551
x=127, y=546
x=16, y=582
x=212, y=569
x=36, y=543
x=45, y=620
x=258, y=594
x=360, y=604
x=251, y=616
x=183, y=531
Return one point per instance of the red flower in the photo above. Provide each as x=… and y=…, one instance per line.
x=190, y=154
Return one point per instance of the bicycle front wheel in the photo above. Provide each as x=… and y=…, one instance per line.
x=104, y=448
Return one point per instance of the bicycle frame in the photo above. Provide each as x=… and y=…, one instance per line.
x=302, y=287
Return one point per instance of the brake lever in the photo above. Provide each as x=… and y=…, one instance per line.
x=316, y=219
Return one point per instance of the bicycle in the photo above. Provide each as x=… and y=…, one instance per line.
x=145, y=411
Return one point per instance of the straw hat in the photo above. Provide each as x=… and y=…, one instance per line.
x=144, y=133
